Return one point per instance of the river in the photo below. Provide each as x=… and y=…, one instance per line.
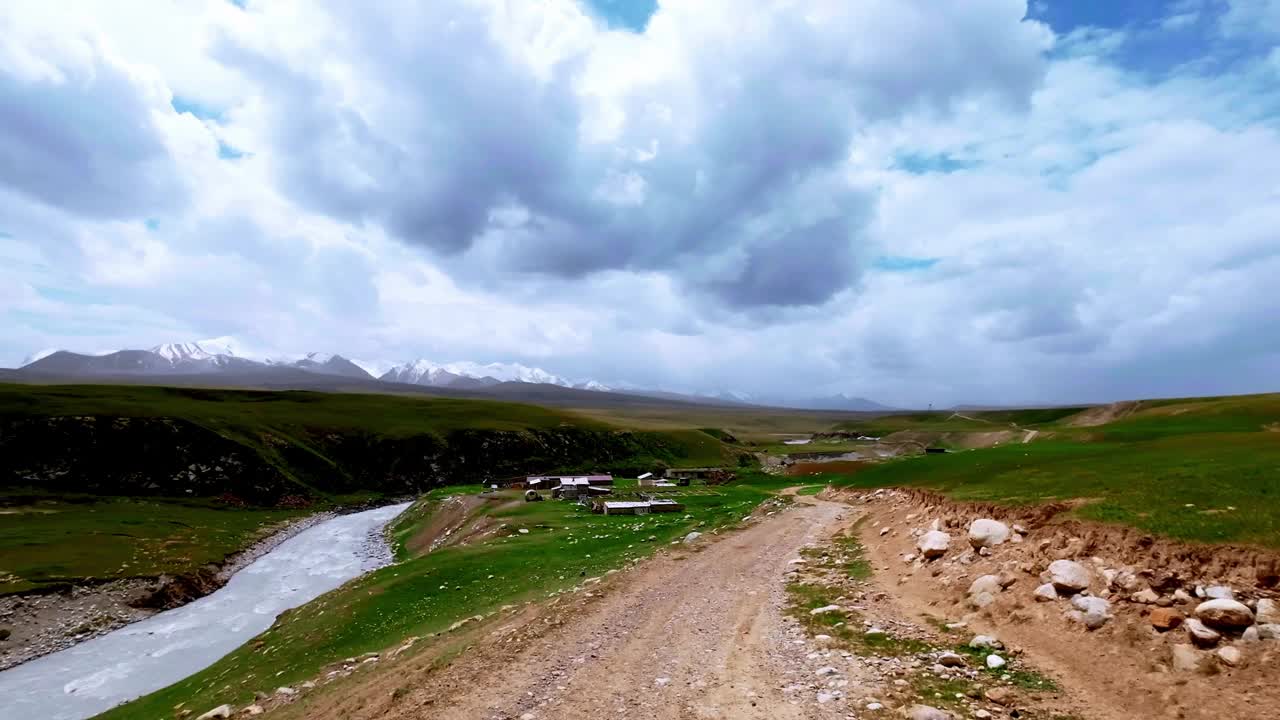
x=99, y=674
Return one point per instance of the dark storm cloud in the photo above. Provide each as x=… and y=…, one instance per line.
x=78, y=134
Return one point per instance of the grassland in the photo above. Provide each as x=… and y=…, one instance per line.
x=53, y=543
x=427, y=593
x=1205, y=470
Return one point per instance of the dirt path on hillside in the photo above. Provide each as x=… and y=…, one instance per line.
x=689, y=635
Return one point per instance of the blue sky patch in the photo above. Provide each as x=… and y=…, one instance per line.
x=901, y=263
x=226, y=152
x=630, y=14
x=193, y=107
x=152, y=224
x=925, y=163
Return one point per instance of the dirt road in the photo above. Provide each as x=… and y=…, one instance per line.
x=690, y=635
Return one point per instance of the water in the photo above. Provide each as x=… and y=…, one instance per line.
x=99, y=674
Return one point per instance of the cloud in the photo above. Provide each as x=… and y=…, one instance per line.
x=546, y=145
x=77, y=126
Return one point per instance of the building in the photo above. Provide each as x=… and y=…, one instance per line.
x=649, y=480
x=699, y=473
x=635, y=507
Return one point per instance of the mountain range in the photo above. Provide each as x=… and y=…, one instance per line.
x=220, y=359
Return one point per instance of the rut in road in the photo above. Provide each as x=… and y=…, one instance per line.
x=691, y=636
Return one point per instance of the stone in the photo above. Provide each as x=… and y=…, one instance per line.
x=950, y=659
x=523, y=531
x=982, y=714
x=1094, y=611
x=1068, y=576
x=934, y=544
x=1046, y=593
x=1219, y=592
x=691, y=537
x=875, y=706
x=1145, y=597
x=1224, y=613
x=824, y=610
x=252, y=710
x=1000, y=695
x=1270, y=631
x=1164, y=619
x=1268, y=612
x=1201, y=634
x=1182, y=597
x=286, y=691
x=984, y=641
x=823, y=672
x=826, y=697
x=983, y=591
x=874, y=632
x=661, y=682
x=995, y=662
x=1230, y=656
x=884, y=531
x=925, y=712
x=222, y=711
x=1185, y=658
x=823, y=639
x=986, y=532
x=1250, y=636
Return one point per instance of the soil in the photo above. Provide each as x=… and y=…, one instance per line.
x=698, y=632
x=43, y=623
x=457, y=522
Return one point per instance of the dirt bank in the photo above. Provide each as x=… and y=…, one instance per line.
x=42, y=623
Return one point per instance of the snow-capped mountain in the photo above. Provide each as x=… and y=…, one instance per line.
x=471, y=374
x=218, y=355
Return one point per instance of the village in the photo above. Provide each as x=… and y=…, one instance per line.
x=603, y=495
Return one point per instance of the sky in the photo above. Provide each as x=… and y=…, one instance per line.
x=917, y=201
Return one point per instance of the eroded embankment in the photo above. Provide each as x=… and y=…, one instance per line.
x=1110, y=611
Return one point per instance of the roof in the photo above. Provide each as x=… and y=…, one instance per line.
x=645, y=476
x=663, y=502
x=700, y=469
x=625, y=504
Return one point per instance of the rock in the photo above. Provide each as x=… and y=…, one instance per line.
x=1046, y=593
x=523, y=531
x=950, y=660
x=826, y=697
x=875, y=706
x=1185, y=658
x=222, y=711
x=934, y=544
x=528, y=716
x=983, y=591
x=987, y=533
x=984, y=641
x=1270, y=631
x=661, y=682
x=1224, y=613
x=874, y=632
x=286, y=691
x=252, y=710
x=1164, y=619
x=1250, y=636
x=691, y=537
x=823, y=639
x=884, y=531
x=1068, y=576
x=1181, y=596
x=1268, y=612
x=823, y=672
x=924, y=712
x=1000, y=695
x=824, y=609
x=1094, y=611
x=983, y=714
x=995, y=662
x=1200, y=634
x=1219, y=592
x=1146, y=597
x=1230, y=656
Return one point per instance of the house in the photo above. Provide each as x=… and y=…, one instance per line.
x=697, y=473
x=572, y=488
x=648, y=480
x=635, y=507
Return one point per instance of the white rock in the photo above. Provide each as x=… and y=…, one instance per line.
x=825, y=697
x=1181, y=596
x=1219, y=592
x=1230, y=656
x=1201, y=634
x=1268, y=612
x=983, y=591
x=1094, y=611
x=286, y=691
x=950, y=659
x=995, y=662
x=1046, y=593
x=1224, y=613
x=222, y=711
x=875, y=706
x=981, y=714
x=662, y=681
x=252, y=710
x=934, y=544
x=986, y=532
x=524, y=531
x=884, y=531
x=1186, y=658
x=1145, y=597
x=875, y=632
x=824, y=609
x=691, y=537
x=1270, y=631
x=1068, y=576
x=822, y=639
x=823, y=672
x=1251, y=635
x=924, y=712
x=984, y=641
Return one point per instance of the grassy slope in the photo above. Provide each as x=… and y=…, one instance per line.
x=54, y=542
x=1144, y=469
x=426, y=594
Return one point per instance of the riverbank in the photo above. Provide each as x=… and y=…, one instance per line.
x=40, y=623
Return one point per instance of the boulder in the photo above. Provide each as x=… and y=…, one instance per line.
x=1046, y=593
x=1230, y=656
x=987, y=533
x=222, y=711
x=1201, y=634
x=252, y=710
x=950, y=659
x=1145, y=597
x=934, y=544
x=925, y=712
x=691, y=537
x=1268, y=612
x=984, y=641
x=825, y=609
x=1185, y=658
x=1164, y=619
x=1219, y=592
x=1094, y=611
x=1000, y=695
x=1270, y=631
x=995, y=662
x=983, y=591
x=1068, y=576
x=1224, y=614
x=1250, y=635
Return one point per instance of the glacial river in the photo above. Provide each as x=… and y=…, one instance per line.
x=98, y=674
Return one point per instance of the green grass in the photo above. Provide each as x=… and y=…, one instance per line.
x=52, y=543
x=964, y=420
x=426, y=594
